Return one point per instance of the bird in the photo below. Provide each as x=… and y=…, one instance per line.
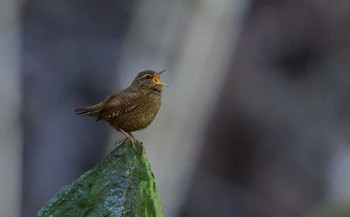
x=131, y=109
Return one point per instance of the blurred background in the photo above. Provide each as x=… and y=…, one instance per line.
x=255, y=122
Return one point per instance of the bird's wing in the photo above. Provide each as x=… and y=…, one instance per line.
x=119, y=103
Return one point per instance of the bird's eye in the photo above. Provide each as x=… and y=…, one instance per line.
x=147, y=76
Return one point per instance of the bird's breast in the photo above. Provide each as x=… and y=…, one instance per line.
x=140, y=117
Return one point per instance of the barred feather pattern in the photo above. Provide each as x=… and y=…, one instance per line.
x=140, y=114
x=128, y=110
x=134, y=108
x=89, y=110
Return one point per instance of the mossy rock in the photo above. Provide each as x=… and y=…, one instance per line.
x=122, y=185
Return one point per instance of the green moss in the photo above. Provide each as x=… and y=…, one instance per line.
x=122, y=185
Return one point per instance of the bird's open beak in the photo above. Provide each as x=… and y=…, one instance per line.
x=156, y=79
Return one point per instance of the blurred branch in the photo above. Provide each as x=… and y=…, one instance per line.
x=122, y=185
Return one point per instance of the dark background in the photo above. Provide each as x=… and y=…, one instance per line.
x=255, y=122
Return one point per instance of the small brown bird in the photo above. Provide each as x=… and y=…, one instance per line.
x=131, y=109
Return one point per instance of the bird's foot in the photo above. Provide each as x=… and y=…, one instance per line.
x=130, y=137
x=133, y=142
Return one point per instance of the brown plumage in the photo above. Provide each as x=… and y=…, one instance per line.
x=131, y=109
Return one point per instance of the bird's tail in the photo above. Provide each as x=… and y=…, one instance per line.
x=89, y=110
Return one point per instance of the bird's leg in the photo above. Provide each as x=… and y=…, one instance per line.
x=141, y=143
x=130, y=137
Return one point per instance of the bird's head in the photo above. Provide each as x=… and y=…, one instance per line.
x=149, y=80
